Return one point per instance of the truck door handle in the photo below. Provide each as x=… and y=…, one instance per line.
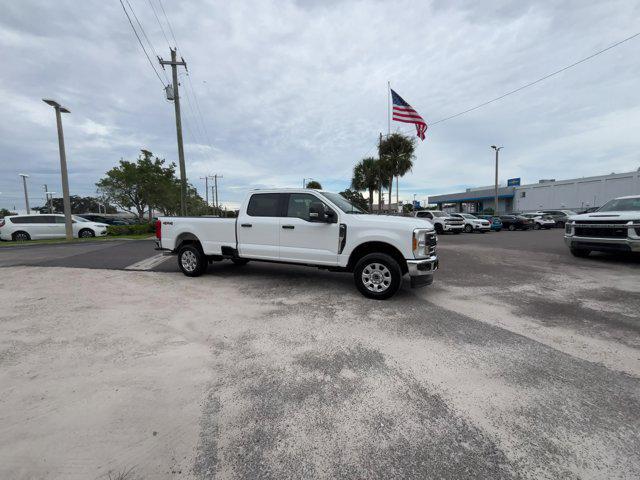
x=288, y=227
x=248, y=225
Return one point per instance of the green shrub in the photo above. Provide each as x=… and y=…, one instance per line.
x=115, y=230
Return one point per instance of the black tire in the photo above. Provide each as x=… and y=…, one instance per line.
x=511, y=228
x=192, y=260
x=86, y=233
x=468, y=228
x=580, y=252
x=377, y=276
x=239, y=261
x=536, y=226
x=21, y=236
x=438, y=228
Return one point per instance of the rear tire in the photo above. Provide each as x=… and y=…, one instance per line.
x=468, y=228
x=21, y=237
x=377, y=276
x=511, y=228
x=536, y=226
x=239, y=261
x=192, y=261
x=580, y=252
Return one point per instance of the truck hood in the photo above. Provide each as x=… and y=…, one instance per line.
x=600, y=216
x=381, y=221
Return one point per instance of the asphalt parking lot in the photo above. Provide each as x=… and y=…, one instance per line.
x=520, y=361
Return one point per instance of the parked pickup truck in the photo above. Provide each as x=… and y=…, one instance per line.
x=308, y=227
x=442, y=222
x=614, y=227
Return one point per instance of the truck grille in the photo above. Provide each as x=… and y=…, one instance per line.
x=431, y=242
x=601, y=231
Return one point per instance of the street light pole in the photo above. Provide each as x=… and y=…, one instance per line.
x=26, y=195
x=66, y=202
x=495, y=210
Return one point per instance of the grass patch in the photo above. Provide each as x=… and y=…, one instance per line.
x=108, y=238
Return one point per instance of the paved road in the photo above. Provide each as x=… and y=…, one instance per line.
x=520, y=361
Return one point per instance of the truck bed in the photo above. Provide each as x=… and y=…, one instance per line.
x=213, y=233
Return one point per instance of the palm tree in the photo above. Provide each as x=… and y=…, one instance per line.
x=366, y=177
x=397, y=154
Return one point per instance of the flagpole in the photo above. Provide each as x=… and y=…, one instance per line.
x=389, y=105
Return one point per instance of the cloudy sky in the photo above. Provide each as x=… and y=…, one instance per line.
x=289, y=89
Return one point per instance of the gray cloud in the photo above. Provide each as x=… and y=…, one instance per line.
x=298, y=89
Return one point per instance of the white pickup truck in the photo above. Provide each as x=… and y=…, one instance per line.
x=614, y=227
x=308, y=227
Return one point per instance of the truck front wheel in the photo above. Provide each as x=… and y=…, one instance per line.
x=377, y=276
x=192, y=261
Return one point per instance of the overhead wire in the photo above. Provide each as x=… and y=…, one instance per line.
x=141, y=44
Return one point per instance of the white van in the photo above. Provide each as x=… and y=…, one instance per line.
x=38, y=227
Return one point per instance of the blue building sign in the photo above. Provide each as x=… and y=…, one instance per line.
x=416, y=204
x=513, y=182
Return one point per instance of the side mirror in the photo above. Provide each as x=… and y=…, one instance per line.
x=317, y=213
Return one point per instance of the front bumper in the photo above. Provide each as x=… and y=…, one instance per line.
x=603, y=244
x=481, y=228
x=452, y=228
x=421, y=271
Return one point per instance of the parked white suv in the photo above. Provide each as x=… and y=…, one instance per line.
x=38, y=227
x=614, y=227
x=312, y=228
x=540, y=220
x=441, y=221
x=473, y=223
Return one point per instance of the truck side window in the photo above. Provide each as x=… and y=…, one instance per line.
x=299, y=205
x=264, y=205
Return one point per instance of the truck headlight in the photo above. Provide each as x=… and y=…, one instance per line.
x=568, y=228
x=419, y=243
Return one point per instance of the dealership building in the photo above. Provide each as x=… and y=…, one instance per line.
x=551, y=194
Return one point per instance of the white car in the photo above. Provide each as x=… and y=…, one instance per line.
x=39, y=227
x=312, y=228
x=441, y=221
x=614, y=227
x=540, y=220
x=473, y=223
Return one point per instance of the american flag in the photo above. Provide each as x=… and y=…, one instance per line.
x=403, y=112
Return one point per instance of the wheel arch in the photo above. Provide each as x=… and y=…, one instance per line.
x=376, y=247
x=187, y=238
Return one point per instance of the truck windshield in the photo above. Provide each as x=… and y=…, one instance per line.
x=342, y=203
x=621, y=205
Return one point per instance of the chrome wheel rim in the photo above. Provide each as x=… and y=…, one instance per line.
x=376, y=277
x=189, y=261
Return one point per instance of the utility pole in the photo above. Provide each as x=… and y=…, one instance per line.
x=206, y=187
x=495, y=210
x=66, y=202
x=176, y=102
x=26, y=196
x=215, y=180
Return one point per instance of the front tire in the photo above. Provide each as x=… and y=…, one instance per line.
x=378, y=276
x=511, y=228
x=580, y=252
x=192, y=261
x=21, y=237
x=536, y=226
x=86, y=233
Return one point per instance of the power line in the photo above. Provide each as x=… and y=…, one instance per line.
x=144, y=34
x=536, y=81
x=168, y=23
x=159, y=23
x=141, y=44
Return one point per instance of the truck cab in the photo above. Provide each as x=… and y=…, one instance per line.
x=308, y=227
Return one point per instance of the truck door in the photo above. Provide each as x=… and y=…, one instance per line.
x=305, y=241
x=258, y=228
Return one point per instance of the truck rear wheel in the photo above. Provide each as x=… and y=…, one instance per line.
x=377, y=276
x=192, y=261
